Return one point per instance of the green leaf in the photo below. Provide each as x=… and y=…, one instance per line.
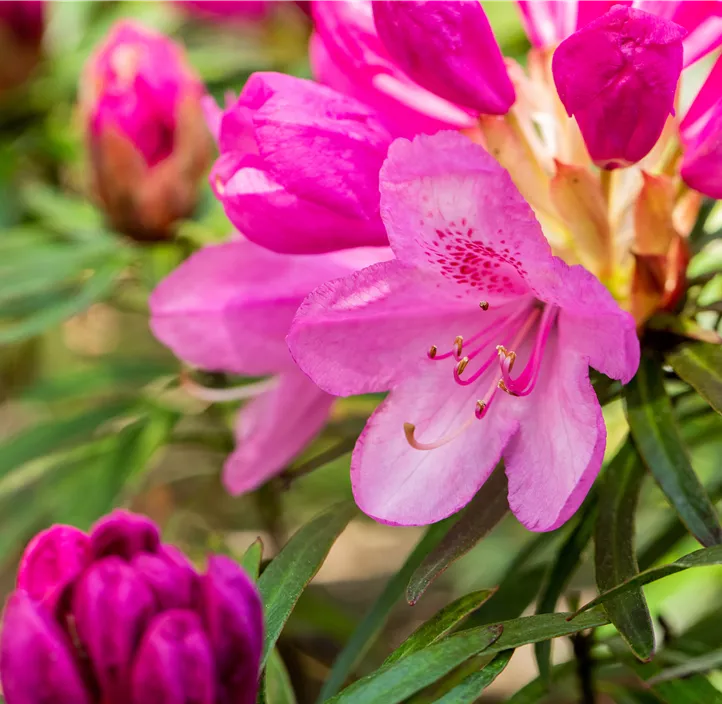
x=706, y=557
x=560, y=573
x=484, y=511
x=440, y=624
x=615, y=560
x=700, y=365
x=95, y=289
x=251, y=560
x=48, y=437
x=393, y=683
x=295, y=566
x=701, y=663
x=471, y=688
x=376, y=617
x=276, y=682
x=655, y=433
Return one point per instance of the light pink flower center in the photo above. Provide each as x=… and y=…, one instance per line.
x=515, y=328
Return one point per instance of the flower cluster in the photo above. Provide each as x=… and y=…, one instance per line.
x=430, y=219
x=117, y=617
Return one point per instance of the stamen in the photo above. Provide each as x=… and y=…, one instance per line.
x=432, y=351
x=236, y=393
x=484, y=305
x=462, y=365
x=410, y=429
x=458, y=345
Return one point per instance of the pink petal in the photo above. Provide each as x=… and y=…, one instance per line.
x=618, y=76
x=124, y=534
x=398, y=484
x=229, y=306
x=36, y=659
x=449, y=49
x=449, y=208
x=348, y=55
x=273, y=428
x=701, y=18
x=365, y=332
x=270, y=215
x=553, y=460
x=51, y=561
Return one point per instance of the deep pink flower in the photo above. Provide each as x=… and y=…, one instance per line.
x=347, y=54
x=145, y=130
x=448, y=48
x=701, y=132
x=471, y=261
x=548, y=22
x=116, y=616
x=229, y=308
x=617, y=76
x=299, y=163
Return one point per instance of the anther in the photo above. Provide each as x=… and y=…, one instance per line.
x=458, y=344
x=504, y=388
x=484, y=305
x=462, y=365
x=432, y=351
x=480, y=408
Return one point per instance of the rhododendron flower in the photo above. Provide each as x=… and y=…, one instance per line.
x=701, y=130
x=548, y=22
x=145, y=130
x=484, y=338
x=115, y=616
x=618, y=76
x=228, y=308
x=431, y=65
x=299, y=163
x=22, y=23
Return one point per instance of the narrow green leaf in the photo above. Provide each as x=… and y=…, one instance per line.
x=561, y=572
x=295, y=566
x=701, y=663
x=655, y=433
x=378, y=614
x=47, y=437
x=251, y=560
x=471, y=688
x=95, y=289
x=615, y=559
x=706, y=557
x=393, y=683
x=484, y=511
x=700, y=365
x=276, y=682
x=440, y=624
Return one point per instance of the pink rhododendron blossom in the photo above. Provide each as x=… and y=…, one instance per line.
x=347, y=54
x=548, y=22
x=448, y=48
x=229, y=308
x=484, y=338
x=299, y=163
x=618, y=76
x=115, y=616
x=701, y=131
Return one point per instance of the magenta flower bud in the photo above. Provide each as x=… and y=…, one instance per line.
x=233, y=617
x=52, y=561
x=618, y=76
x=174, y=664
x=146, y=136
x=449, y=49
x=112, y=605
x=138, y=625
x=124, y=534
x=299, y=165
x=169, y=575
x=701, y=131
x=36, y=660
x=21, y=32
